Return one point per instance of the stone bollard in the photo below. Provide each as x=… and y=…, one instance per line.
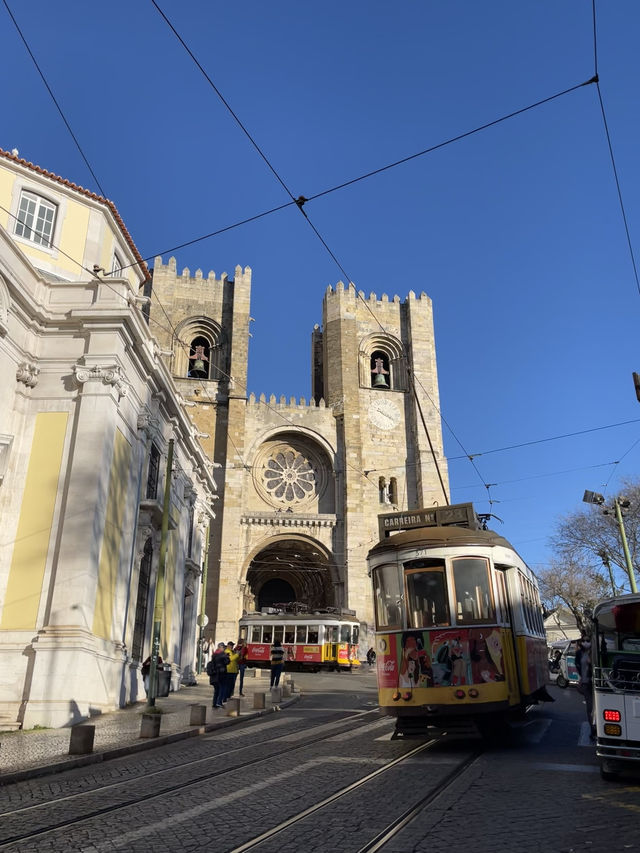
x=233, y=707
x=259, y=701
x=198, y=715
x=150, y=725
x=292, y=686
x=81, y=741
x=286, y=691
x=276, y=695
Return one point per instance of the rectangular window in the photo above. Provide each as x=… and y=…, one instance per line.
x=301, y=634
x=427, y=605
x=36, y=218
x=152, y=476
x=256, y=633
x=266, y=635
x=278, y=633
x=314, y=632
x=388, y=597
x=474, y=599
x=116, y=266
x=289, y=634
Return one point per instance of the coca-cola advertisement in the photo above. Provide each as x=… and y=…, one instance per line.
x=387, y=660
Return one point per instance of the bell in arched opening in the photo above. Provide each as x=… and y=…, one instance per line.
x=199, y=359
x=378, y=372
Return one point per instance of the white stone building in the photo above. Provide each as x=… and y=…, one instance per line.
x=87, y=409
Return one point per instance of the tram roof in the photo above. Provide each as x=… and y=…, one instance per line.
x=608, y=604
x=440, y=536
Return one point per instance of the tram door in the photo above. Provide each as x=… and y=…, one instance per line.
x=509, y=649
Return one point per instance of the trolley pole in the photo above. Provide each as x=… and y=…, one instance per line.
x=623, y=536
x=203, y=601
x=158, y=606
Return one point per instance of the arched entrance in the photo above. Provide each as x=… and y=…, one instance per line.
x=291, y=570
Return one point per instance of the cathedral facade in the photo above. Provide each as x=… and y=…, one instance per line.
x=301, y=482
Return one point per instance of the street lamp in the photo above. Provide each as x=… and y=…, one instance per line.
x=618, y=502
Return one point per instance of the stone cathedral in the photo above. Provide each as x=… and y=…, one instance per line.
x=301, y=482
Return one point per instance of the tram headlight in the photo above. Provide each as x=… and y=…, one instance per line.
x=612, y=729
x=459, y=694
x=473, y=693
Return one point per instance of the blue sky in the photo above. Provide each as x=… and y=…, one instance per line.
x=515, y=233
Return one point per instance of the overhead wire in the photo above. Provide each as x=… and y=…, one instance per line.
x=53, y=98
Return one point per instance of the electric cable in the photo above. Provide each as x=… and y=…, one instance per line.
x=53, y=98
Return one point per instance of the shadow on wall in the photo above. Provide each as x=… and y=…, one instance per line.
x=129, y=685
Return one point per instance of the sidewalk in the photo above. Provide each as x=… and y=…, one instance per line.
x=38, y=752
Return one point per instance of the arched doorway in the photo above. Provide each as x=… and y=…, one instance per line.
x=291, y=570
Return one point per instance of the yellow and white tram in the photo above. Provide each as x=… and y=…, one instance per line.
x=321, y=640
x=459, y=629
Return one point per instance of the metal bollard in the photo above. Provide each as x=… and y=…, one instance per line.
x=81, y=741
x=259, y=701
x=233, y=707
x=198, y=715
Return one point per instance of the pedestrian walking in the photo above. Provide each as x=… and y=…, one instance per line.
x=371, y=656
x=232, y=671
x=146, y=669
x=217, y=672
x=277, y=662
x=585, y=677
x=243, y=651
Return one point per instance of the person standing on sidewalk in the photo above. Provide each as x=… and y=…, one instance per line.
x=243, y=651
x=277, y=662
x=585, y=676
x=217, y=672
x=232, y=671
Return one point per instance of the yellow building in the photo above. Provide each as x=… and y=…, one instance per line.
x=88, y=410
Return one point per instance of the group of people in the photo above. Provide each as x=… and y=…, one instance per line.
x=228, y=661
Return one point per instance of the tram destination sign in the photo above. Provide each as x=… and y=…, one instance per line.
x=457, y=515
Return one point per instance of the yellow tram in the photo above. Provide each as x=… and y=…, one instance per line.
x=459, y=630
x=320, y=640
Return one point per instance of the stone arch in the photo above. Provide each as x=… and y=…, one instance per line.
x=293, y=472
x=299, y=564
x=389, y=351
x=206, y=333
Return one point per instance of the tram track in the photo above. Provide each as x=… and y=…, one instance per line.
x=382, y=837
x=27, y=812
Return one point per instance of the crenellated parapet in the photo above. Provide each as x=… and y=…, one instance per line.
x=281, y=402
x=349, y=292
x=170, y=270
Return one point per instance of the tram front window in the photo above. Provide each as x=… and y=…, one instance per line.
x=388, y=596
x=345, y=633
x=474, y=601
x=427, y=605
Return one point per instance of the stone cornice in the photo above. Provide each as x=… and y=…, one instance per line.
x=288, y=519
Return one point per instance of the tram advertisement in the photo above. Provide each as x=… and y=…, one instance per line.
x=299, y=654
x=440, y=658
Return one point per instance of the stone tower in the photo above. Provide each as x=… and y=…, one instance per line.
x=300, y=483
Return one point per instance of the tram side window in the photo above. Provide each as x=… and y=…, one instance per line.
x=267, y=634
x=331, y=634
x=474, y=600
x=388, y=596
x=355, y=636
x=278, y=633
x=256, y=633
x=345, y=633
x=313, y=634
x=289, y=634
x=427, y=604
x=301, y=634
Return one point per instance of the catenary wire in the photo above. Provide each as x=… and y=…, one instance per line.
x=53, y=98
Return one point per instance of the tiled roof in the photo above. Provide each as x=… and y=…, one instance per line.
x=7, y=155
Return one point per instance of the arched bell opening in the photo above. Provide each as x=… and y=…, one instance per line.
x=199, y=358
x=290, y=571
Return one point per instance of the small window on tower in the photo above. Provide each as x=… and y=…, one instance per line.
x=380, y=370
x=199, y=358
x=393, y=491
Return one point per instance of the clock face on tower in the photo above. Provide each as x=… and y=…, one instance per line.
x=384, y=413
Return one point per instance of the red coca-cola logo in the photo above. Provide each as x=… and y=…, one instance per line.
x=389, y=666
x=259, y=650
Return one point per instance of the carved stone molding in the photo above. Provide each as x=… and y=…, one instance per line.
x=110, y=374
x=27, y=373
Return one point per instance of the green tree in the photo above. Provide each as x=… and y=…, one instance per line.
x=574, y=586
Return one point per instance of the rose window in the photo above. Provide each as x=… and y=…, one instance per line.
x=289, y=477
